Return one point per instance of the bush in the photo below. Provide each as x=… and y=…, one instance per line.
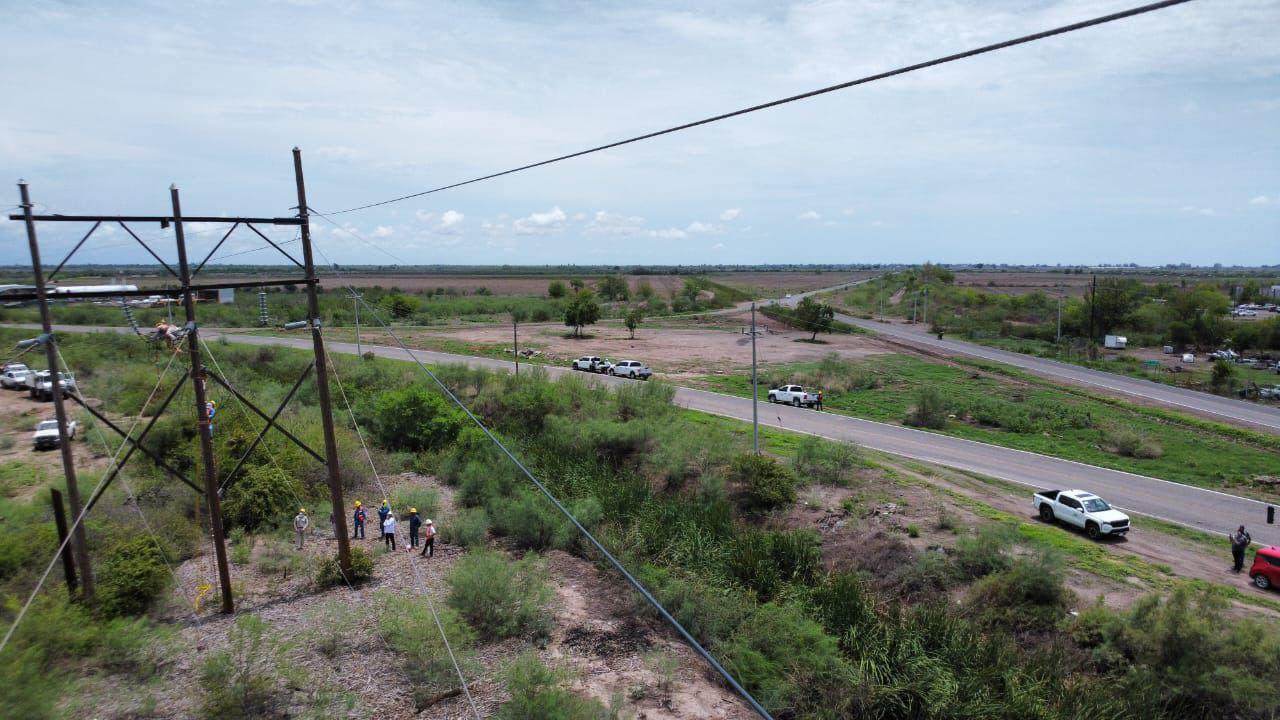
x=499, y=597
x=1029, y=595
x=929, y=411
x=844, y=604
x=261, y=497
x=425, y=499
x=822, y=461
x=409, y=628
x=279, y=557
x=986, y=552
x=1132, y=443
x=765, y=484
x=469, y=528
x=329, y=572
x=134, y=575
x=708, y=612
x=414, y=419
x=763, y=560
x=540, y=693
x=245, y=680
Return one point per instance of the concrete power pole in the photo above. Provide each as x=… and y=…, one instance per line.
x=755, y=388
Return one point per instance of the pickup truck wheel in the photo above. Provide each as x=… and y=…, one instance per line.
x=795, y=402
x=1046, y=513
x=1261, y=581
x=1092, y=531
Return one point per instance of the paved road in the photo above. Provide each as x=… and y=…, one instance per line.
x=1207, y=510
x=1262, y=417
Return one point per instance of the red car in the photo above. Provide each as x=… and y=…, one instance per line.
x=1266, y=567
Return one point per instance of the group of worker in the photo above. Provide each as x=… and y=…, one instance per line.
x=387, y=521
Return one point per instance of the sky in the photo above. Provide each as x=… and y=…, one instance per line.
x=1152, y=140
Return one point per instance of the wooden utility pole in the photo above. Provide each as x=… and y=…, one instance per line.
x=204, y=430
x=78, y=544
x=322, y=375
x=755, y=388
x=515, y=341
x=60, y=519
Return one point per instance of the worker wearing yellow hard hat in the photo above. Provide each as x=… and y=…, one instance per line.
x=300, y=524
x=357, y=522
x=415, y=522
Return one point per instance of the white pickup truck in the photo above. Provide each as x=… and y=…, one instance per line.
x=1082, y=509
x=631, y=369
x=591, y=363
x=15, y=376
x=793, y=395
x=46, y=435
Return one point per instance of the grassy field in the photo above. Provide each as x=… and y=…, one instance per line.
x=1030, y=416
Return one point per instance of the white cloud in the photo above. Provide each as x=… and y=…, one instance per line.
x=1264, y=200
x=700, y=227
x=1194, y=210
x=451, y=218
x=607, y=223
x=848, y=211
x=668, y=234
x=544, y=223
x=718, y=246
x=809, y=215
x=730, y=215
x=383, y=231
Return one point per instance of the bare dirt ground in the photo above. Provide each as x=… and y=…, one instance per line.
x=778, y=284
x=1023, y=283
x=712, y=344
x=598, y=634
x=18, y=418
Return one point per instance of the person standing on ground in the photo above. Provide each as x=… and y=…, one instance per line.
x=429, y=545
x=415, y=522
x=383, y=512
x=357, y=522
x=819, y=399
x=300, y=524
x=1239, y=541
x=389, y=531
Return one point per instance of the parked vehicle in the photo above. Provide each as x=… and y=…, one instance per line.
x=1269, y=393
x=15, y=376
x=1265, y=571
x=1188, y=358
x=1082, y=509
x=46, y=435
x=631, y=369
x=1115, y=342
x=793, y=395
x=591, y=363
x=40, y=384
x=1224, y=354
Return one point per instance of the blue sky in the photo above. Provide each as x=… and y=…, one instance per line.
x=1152, y=140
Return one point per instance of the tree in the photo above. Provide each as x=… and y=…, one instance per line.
x=1110, y=305
x=645, y=290
x=401, y=305
x=815, y=316
x=614, y=287
x=556, y=289
x=583, y=310
x=1223, y=375
x=634, y=317
x=577, y=284
x=414, y=419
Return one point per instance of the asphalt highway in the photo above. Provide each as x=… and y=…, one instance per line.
x=1241, y=412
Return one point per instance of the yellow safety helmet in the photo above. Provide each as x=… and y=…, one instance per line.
x=413, y=510
x=357, y=503
x=302, y=510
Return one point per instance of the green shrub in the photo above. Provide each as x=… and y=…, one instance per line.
x=913, y=531
x=1132, y=443
x=1028, y=595
x=414, y=419
x=409, y=628
x=245, y=680
x=925, y=576
x=765, y=484
x=329, y=572
x=708, y=612
x=279, y=558
x=763, y=560
x=426, y=499
x=261, y=497
x=822, y=461
x=469, y=528
x=929, y=411
x=789, y=663
x=540, y=693
x=499, y=597
x=987, y=551
x=844, y=604
x=134, y=574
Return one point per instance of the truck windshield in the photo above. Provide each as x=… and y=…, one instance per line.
x=48, y=425
x=1096, y=505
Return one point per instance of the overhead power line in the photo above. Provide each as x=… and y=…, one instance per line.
x=1062, y=30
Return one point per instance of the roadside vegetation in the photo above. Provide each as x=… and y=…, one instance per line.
x=974, y=402
x=977, y=627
